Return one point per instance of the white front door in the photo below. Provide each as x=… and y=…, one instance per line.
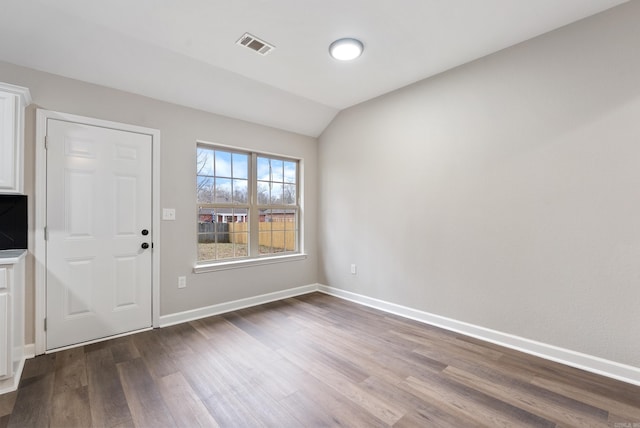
x=99, y=217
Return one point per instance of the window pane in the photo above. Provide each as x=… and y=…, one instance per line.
x=289, y=223
x=289, y=194
x=265, y=242
x=204, y=161
x=239, y=234
x=205, y=215
x=290, y=219
x=240, y=191
x=223, y=164
x=277, y=170
x=204, y=190
x=240, y=250
x=206, y=235
x=206, y=251
x=265, y=217
x=290, y=240
x=263, y=193
x=277, y=241
x=263, y=169
x=240, y=165
x=240, y=218
x=277, y=225
x=276, y=193
x=290, y=172
x=223, y=190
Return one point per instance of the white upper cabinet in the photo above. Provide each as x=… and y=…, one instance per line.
x=13, y=100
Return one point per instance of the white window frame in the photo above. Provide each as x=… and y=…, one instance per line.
x=254, y=258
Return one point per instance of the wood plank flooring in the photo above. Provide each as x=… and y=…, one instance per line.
x=310, y=361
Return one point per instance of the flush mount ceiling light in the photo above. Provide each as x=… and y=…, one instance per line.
x=346, y=49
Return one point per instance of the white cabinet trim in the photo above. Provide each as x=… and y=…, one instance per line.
x=14, y=134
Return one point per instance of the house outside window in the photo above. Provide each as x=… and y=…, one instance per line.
x=247, y=204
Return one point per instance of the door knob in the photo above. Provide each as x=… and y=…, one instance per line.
x=145, y=245
x=145, y=232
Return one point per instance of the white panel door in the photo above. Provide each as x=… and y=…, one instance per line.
x=99, y=213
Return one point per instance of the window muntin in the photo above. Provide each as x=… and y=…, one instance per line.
x=247, y=204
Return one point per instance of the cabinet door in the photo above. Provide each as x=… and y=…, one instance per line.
x=8, y=143
x=5, y=347
x=4, y=279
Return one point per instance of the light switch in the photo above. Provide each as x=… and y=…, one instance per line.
x=168, y=213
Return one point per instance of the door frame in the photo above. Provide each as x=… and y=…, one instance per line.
x=40, y=199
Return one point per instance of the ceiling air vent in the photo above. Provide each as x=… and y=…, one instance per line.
x=255, y=44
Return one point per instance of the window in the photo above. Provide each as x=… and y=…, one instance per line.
x=248, y=204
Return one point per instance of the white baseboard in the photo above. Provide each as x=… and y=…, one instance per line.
x=612, y=369
x=221, y=308
x=11, y=384
x=29, y=350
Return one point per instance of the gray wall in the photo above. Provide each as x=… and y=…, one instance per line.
x=179, y=127
x=503, y=193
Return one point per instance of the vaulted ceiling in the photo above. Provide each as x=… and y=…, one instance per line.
x=185, y=51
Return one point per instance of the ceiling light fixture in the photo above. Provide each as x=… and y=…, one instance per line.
x=346, y=49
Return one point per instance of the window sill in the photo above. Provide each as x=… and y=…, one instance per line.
x=236, y=264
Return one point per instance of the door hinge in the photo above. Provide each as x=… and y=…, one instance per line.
x=46, y=233
x=152, y=245
x=45, y=324
x=46, y=142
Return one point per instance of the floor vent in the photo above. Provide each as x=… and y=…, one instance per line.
x=255, y=44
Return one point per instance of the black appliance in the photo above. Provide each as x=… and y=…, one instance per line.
x=13, y=222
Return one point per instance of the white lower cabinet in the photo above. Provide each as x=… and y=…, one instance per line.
x=12, y=271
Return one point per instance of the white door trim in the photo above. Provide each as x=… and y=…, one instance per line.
x=39, y=251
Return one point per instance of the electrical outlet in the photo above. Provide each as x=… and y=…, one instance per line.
x=168, y=213
x=182, y=282
x=354, y=269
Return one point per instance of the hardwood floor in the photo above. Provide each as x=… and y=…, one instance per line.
x=310, y=361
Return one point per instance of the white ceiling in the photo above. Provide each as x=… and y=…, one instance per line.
x=184, y=51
